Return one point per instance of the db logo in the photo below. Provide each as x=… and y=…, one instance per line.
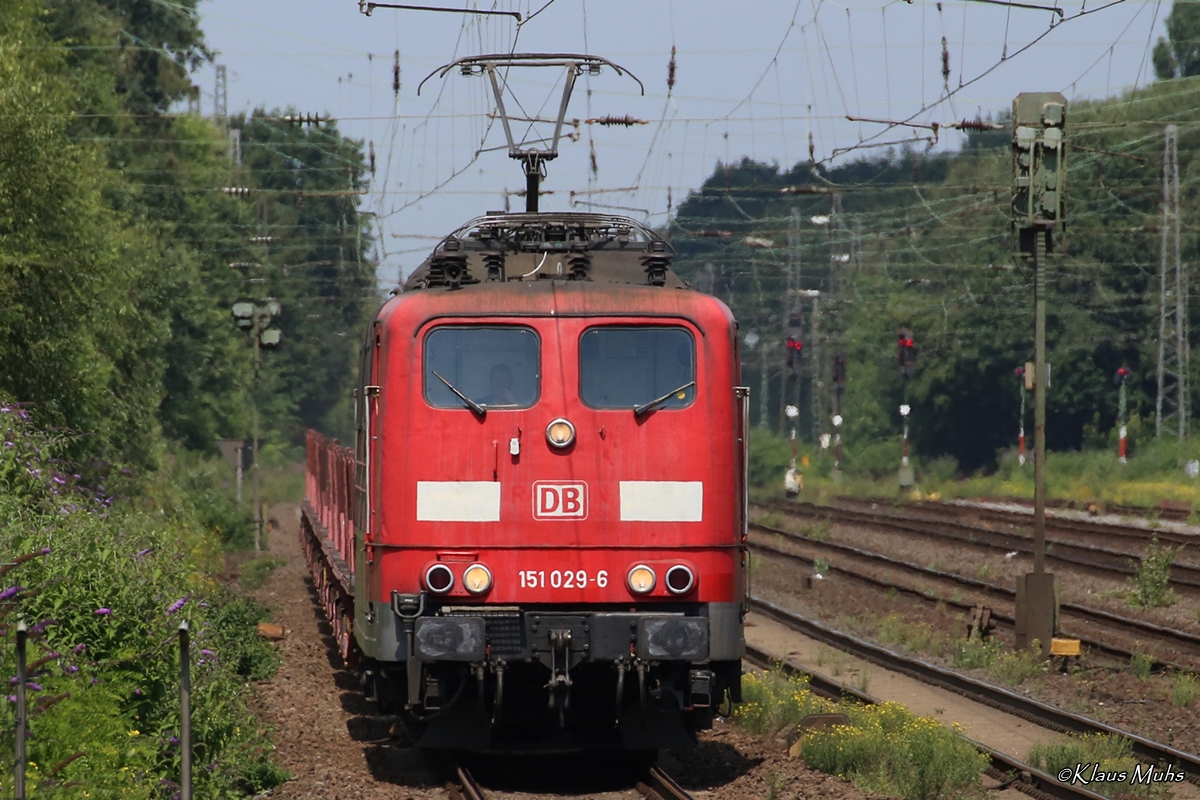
x=559, y=500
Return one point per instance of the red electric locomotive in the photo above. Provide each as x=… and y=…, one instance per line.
x=549, y=493
x=539, y=537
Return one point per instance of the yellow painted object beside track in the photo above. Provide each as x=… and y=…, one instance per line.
x=1064, y=647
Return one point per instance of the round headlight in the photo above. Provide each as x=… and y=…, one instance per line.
x=477, y=579
x=641, y=579
x=560, y=433
x=439, y=578
x=680, y=579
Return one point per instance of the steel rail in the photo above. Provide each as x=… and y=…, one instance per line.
x=660, y=786
x=1013, y=774
x=1085, y=527
x=1095, y=615
x=1005, y=619
x=1098, y=558
x=1027, y=708
x=467, y=788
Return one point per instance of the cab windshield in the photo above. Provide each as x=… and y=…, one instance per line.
x=496, y=367
x=629, y=367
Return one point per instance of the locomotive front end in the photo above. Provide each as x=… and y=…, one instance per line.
x=551, y=493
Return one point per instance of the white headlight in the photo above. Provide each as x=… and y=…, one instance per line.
x=641, y=579
x=560, y=433
x=477, y=579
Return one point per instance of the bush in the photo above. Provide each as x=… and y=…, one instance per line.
x=772, y=701
x=1140, y=665
x=103, y=592
x=1152, y=578
x=1184, y=689
x=770, y=456
x=976, y=653
x=1018, y=666
x=888, y=749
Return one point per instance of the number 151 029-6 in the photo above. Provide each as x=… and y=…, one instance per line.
x=561, y=579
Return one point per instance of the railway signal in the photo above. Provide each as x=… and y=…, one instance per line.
x=1038, y=211
x=906, y=353
x=1119, y=379
x=794, y=348
x=256, y=320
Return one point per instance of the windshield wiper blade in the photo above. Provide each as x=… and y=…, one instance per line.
x=471, y=404
x=658, y=401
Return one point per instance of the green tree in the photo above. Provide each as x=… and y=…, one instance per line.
x=1178, y=55
x=78, y=335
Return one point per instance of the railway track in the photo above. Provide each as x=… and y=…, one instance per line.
x=1176, y=638
x=1183, y=575
x=655, y=785
x=1039, y=713
x=1011, y=773
x=1085, y=529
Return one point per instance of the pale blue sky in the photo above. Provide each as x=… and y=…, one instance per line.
x=750, y=81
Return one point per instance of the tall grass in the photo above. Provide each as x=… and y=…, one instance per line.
x=1113, y=754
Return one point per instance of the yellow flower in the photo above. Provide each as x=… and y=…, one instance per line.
x=135, y=733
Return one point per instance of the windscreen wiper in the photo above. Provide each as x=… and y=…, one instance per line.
x=658, y=401
x=471, y=404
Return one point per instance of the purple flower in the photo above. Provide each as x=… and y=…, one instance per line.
x=204, y=605
x=174, y=740
x=59, y=481
x=103, y=612
x=12, y=698
x=138, y=692
x=71, y=669
x=79, y=648
x=95, y=681
x=9, y=444
x=206, y=652
x=10, y=591
x=140, y=554
x=41, y=626
x=34, y=686
x=178, y=604
x=45, y=551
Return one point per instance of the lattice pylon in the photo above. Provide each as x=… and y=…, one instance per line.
x=1172, y=409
